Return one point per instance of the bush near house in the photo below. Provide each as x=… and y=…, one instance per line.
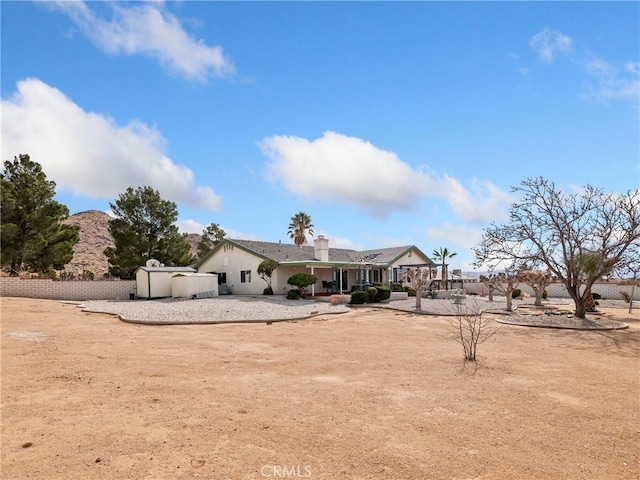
x=383, y=292
x=373, y=294
x=302, y=281
x=358, y=297
x=516, y=293
x=293, y=295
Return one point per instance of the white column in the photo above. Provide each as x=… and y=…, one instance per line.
x=313, y=287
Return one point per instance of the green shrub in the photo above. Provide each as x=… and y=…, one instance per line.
x=302, y=281
x=293, y=295
x=384, y=293
x=358, y=298
x=410, y=291
x=545, y=294
x=516, y=293
x=267, y=291
x=371, y=294
x=596, y=296
x=397, y=287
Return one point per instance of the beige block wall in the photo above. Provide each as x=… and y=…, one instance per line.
x=73, y=290
x=609, y=291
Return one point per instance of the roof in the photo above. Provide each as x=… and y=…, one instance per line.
x=190, y=274
x=167, y=269
x=287, y=253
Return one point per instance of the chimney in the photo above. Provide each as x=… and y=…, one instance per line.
x=321, y=248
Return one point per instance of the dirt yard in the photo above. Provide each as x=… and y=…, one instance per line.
x=364, y=395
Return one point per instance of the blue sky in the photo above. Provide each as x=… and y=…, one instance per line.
x=389, y=123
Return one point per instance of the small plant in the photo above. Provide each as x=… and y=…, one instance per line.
x=371, y=294
x=293, y=295
x=516, y=293
x=545, y=294
x=302, y=281
x=383, y=293
x=265, y=270
x=358, y=298
x=470, y=328
x=596, y=296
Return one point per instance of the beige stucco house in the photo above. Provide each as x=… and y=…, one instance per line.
x=338, y=270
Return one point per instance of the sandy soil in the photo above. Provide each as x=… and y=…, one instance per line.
x=365, y=395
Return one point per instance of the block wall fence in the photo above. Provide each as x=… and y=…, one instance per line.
x=72, y=290
x=610, y=291
x=122, y=289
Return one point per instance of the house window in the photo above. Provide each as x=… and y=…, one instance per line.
x=222, y=278
x=377, y=275
x=245, y=276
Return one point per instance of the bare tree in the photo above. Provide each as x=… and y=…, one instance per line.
x=504, y=283
x=470, y=327
x=420, y=280
x=538, y=281
x=630, y=265
x=561, y=231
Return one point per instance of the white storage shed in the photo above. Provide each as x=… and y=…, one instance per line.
x=194, y=285
x=156, y=282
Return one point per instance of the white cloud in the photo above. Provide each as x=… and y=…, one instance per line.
x=190, y=226
x=336, y=168
x=548, y=44
x=148, y=29
x=336, y=241
x=483, y=202
x=462, y=236
x=609, y=83
x=88, y=154
x=340, y=169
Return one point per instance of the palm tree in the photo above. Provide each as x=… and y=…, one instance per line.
x=443, y=254
x=300, y=223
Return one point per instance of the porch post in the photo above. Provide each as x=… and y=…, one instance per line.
x=313, y=287
x=340, y=279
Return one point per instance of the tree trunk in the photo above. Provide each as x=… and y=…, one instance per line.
x=581, y=310
x=419, y=300
x=538, y=302
x=509, y=302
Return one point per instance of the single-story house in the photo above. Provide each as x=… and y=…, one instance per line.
x=338, y=270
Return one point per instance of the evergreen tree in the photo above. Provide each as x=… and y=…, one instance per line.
x=144, y=229
x=33, y=237
x=211, y=236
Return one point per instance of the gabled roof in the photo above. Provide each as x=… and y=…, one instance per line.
x=289, y=253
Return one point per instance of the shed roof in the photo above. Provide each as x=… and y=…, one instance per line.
x=167, y=269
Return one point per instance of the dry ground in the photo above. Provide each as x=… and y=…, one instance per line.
x=365, y=395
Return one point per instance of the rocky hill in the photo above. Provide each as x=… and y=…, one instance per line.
x=88, y=253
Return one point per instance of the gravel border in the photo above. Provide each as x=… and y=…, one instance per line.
x=217, y=310
x=261, y=309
